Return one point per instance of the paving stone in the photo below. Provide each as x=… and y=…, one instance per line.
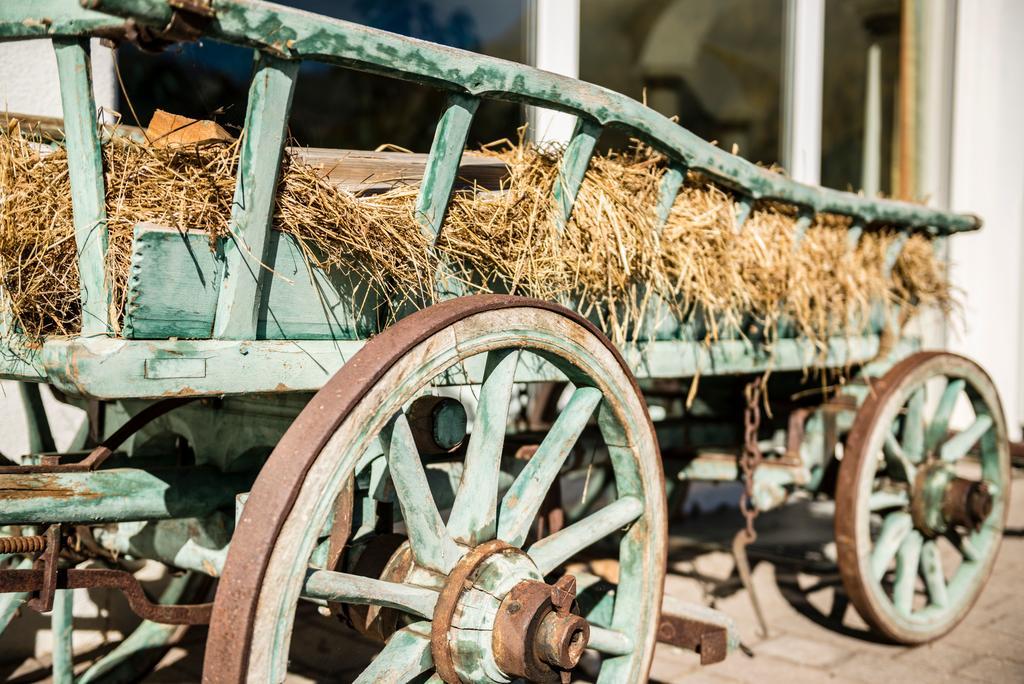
x=940, y=655
x=803, y=651
x=984, y=642
x=673, y=664
x=765, y=668
x=872, y=668
x=1012, y=623
x=993, y=670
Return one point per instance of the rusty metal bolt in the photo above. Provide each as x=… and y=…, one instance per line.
x=561, y=639
x=438, y=424
x=967, y=503
x=33, y=544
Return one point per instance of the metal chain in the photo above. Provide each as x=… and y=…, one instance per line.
x=751, y=457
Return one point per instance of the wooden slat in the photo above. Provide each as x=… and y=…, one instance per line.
x=671, y=182
x=270, y=99
x=574, y=167
x=443, y=163
x=85, y=167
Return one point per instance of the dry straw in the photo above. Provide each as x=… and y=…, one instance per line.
x=611, y=262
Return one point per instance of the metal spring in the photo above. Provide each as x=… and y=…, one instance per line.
x=32, y=544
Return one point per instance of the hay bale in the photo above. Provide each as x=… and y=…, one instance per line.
x=609, y=262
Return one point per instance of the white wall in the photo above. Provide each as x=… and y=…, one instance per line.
x=554, y=45
x=988, y=179
x=28, y=77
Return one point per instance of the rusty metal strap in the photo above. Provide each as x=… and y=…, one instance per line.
x=94, y=578
x=107, y=447
x=711, y=641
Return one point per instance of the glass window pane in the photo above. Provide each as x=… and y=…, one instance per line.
x=716, y=64
x=336, y=107
x=862, y=46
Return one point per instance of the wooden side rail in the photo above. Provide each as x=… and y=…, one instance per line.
x=283, y=37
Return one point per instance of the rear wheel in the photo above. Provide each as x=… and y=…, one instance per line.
x=472, y=595
x=920, y=506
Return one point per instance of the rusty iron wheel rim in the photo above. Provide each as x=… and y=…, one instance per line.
x=230, y=653
x=888, y=408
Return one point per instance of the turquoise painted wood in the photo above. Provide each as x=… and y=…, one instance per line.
x=431, y=545
x=744, y=206
x=521, y=503
x=85, y=167
x=111, y=369
x=298, y=35
x=25, y=20
x=553, y=550
x=342, y=587
x=958, y=446
x=246, y=251
x=671, y=183
x=61, y=622
x=803, y=222
x=117, y=495
x=937, y=429
x=573, y=166
x=173, y=291
x=443, y=163
x=406, y=656
x=895, y=529
x=473, y=517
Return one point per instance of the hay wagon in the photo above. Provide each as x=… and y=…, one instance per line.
x=266, y=433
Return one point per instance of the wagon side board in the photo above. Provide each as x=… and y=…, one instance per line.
x=173, y=291
x=114, y=368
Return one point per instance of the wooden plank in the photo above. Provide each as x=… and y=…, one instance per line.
x=173, y=292
x=370, y=172
x=105, y=368
x=85, y=167
x=266, y=119
x=443, y=163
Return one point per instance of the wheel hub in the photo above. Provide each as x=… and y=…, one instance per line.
x=536, y=634
x=496, y=619
x=942, y=500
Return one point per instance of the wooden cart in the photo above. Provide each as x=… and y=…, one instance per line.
x=442, y=537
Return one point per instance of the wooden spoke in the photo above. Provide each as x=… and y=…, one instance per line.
x=61, y=624
x=882, y=500
x=431, y=545
x=897, y=460
x=609, y=641
x=472, y=519
x=894, y=529
x=342, y=587
x=908, y=559
x=554, y=550
x=964, y=545
x=940, y=421
x=913, y=427
x=934, y=577
x=522, y=501
x=405, y=657
x=958, y=445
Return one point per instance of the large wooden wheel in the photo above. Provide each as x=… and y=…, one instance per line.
x=471, y=596
x=920, y=507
